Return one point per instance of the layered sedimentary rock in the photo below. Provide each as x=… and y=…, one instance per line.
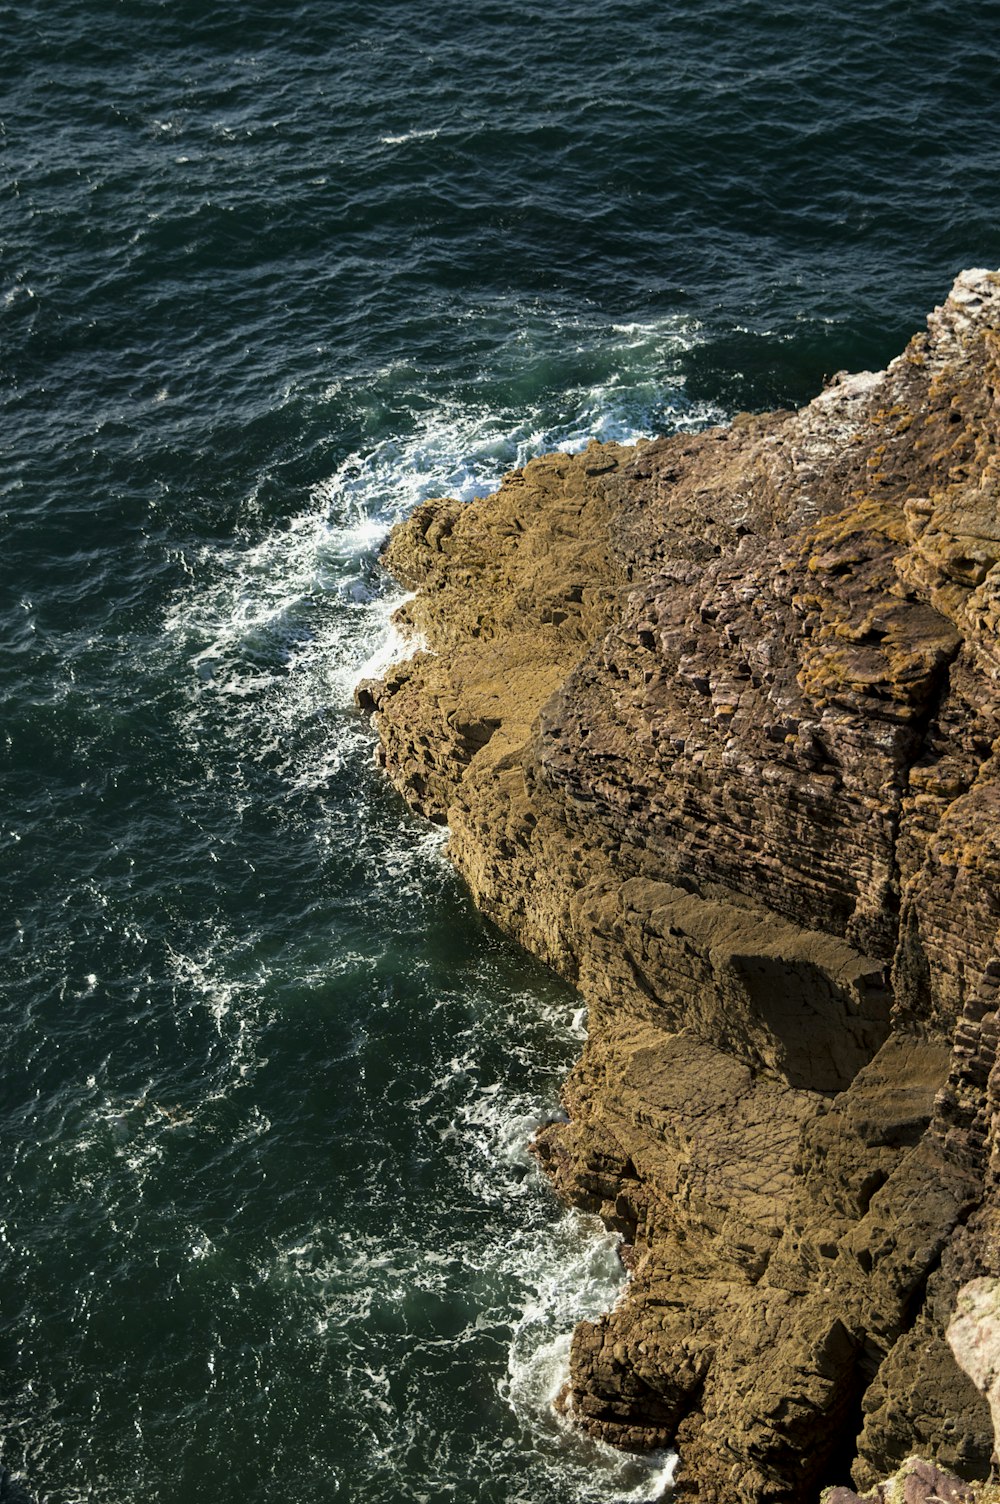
x=713, y=722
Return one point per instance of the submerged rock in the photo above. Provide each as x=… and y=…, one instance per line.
x=713, y=723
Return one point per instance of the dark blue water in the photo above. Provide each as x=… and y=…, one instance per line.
x=270, y=274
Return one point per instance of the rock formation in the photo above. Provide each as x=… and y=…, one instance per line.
x=713, y=722
x=974, y=1337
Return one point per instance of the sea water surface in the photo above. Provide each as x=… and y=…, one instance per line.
x=269, y=275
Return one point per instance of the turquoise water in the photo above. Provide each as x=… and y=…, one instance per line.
x=269, y=275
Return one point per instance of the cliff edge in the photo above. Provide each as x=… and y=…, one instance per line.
x=713, y=722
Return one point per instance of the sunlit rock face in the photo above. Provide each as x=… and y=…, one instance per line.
x=713, y=722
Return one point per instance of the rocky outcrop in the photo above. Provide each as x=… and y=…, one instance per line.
x=714, y=723
x=916, y=1482
x=974, y=1337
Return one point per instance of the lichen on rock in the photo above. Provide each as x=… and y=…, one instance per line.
x=713, y=722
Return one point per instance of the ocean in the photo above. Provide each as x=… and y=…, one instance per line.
x=269, y=276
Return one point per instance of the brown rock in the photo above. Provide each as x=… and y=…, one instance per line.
x=712, y=724
x=916, y=1482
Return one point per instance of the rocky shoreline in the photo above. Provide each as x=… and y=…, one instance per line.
x=713, y=722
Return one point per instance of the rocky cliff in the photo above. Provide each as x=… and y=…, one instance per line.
x=713, y=722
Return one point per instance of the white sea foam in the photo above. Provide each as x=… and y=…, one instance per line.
x=395, y=645
x=273, y=632
x=415, y=135
x=374, y=1298
x=581, y=1277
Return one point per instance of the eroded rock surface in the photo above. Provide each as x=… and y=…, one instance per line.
x=916, y=1482
x=714, y=724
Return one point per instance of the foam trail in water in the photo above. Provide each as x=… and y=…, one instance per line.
x=270, y=634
